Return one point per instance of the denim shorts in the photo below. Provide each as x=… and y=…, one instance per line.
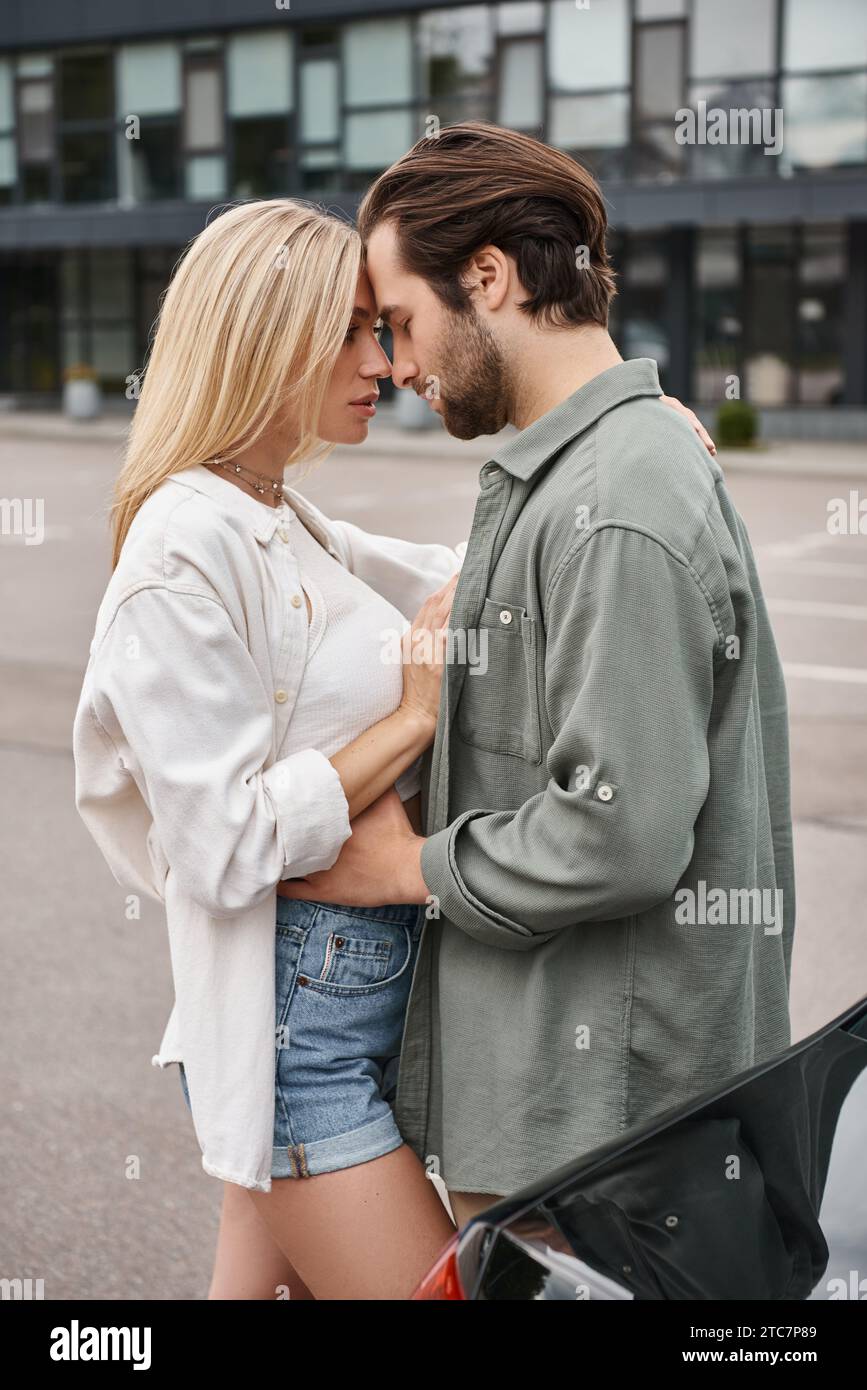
x=343, y=978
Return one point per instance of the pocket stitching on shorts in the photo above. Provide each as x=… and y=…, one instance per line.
x=335, y=989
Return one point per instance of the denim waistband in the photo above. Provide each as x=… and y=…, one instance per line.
x=291, y=910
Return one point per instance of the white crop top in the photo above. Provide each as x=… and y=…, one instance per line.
x=347, y=686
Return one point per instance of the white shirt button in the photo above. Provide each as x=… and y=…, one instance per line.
x=505, y=616
x=295, y=600
x=604, y=792
x=281, y=697
x=283, y=534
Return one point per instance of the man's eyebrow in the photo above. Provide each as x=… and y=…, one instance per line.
x=388, y=311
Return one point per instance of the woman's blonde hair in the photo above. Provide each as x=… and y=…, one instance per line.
x=250, y=326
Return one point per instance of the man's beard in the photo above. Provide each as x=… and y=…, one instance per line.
x=475, y=390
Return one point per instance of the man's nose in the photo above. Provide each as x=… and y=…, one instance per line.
x=404, y=371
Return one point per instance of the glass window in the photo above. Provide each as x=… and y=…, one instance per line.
x=736, y=38
x=770, y=289
x=656, y=156
x=203, y=110
x=457, y=49
x=646, y=267
x=112, y=353
x=660, y=9
x=327, y=180
x=72, y=346
x=7, y=161
x=154, y=162
x=659, y=53
x=259, y=73
x=377, y=57
x=35, y=65
x=319, y=35
x=521, y=104
x=7, y=102
x=588, y=49
x=520, y=17
x=594, y=129
x=86, y=166
x=821, y=281
x=155, y=268
x=35, y=121
x=70, y=284
x=261, y=153
x=743, y=152
x=375, y=139
x=815, y=39
x=149, y=79
x=319, y=93
x=86, y=84
x=206, y=176
x=718, y=327
x=36, y=183
x=320, y=157
x=592, y=122
x=109, y=283
x=643, y=329
x=825, y=122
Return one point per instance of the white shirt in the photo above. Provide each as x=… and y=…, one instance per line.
x=196, y=664
x=348, y=685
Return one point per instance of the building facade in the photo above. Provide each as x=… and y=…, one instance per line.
x=741, y=249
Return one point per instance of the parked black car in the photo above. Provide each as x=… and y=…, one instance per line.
x=754, y=1190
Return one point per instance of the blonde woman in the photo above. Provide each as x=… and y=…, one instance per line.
x=236, y=715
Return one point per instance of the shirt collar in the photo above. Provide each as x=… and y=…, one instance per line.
x=526, y=452
x=261, y=519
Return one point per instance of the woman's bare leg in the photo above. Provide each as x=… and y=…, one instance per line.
x=248, y=1264
x=366, y=1232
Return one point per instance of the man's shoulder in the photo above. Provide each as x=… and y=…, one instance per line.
x=652, y=469
x=641, y=464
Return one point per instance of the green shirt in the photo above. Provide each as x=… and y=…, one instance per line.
x=606, y=801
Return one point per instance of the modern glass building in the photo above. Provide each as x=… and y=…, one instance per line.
x=741, y=255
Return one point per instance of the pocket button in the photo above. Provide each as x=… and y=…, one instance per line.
x=505, y=616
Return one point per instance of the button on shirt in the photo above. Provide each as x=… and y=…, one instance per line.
x=618, y=750
x=195, y=669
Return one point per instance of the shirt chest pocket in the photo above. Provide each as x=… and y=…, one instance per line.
x=498, y=708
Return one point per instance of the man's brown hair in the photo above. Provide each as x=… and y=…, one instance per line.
x=477, y=184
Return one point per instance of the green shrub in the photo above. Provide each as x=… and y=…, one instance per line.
x=737, y=424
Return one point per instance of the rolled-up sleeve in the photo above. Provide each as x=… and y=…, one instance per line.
x=404, y=572
x=632, y=643
x=173, y=674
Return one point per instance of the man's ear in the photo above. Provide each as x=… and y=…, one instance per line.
x=488, y=274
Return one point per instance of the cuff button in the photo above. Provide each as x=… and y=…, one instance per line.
x=604, y=792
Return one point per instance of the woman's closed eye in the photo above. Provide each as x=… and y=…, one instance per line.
x=376, y=331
